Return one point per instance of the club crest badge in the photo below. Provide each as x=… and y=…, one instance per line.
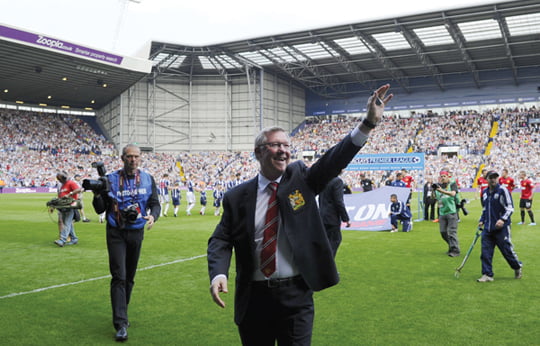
x=297, y=200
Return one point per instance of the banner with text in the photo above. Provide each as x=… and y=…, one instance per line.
x=368, y=211
x=60, y=45
x=386, y=162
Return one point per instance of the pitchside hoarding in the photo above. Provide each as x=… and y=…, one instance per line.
x=368, y=211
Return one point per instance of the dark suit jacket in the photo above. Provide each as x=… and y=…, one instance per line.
x=331, y=204
x=301, y=224
x=427, y=189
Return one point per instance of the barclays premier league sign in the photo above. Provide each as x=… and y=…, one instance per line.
x=386, y=162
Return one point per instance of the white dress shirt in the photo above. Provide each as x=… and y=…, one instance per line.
x=285, y=267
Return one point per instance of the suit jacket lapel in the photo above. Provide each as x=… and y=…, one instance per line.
x=249, y=201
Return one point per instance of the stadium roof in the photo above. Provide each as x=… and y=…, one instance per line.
x=467, y=47
x=37, y=69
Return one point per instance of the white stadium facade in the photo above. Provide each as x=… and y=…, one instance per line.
x=216, y=97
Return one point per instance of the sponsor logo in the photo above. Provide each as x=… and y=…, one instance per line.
x=24, y=190
x=49, y=42
x=372, y=212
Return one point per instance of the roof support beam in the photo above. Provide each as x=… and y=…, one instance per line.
x=378, y=52
x=460, y=41
x=344, y=59
x=292, y=70
x=418, y=47
x=506, y=35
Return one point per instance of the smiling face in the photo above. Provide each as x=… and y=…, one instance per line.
x=274, y=154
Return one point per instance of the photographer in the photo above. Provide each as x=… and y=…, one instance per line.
x=67, y=188
x=130, y=198
x=445, y=193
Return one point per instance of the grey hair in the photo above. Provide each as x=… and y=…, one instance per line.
x=129, y=146
x=263, y=135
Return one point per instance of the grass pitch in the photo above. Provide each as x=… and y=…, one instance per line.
x=395, y=289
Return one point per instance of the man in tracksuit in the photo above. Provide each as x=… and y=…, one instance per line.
x=399, y=211
x=495, y=220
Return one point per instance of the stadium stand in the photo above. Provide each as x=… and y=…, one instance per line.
x=35, y=146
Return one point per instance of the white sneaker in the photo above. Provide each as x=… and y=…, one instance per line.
x=520, y=223
x=532, y=224
x=393, y=231
x=485, y=278
x=518, y=273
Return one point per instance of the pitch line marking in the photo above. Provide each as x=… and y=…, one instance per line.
x=37, y=290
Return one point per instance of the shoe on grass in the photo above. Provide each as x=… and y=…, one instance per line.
x=485, y=278
x=518, y=273
x=532, y=224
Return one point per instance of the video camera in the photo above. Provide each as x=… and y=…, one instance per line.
x=99, y=185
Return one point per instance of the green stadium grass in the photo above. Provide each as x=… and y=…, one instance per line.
x=395, y=289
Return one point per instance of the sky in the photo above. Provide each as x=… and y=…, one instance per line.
x=125, y=27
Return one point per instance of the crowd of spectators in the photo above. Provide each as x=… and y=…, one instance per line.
x=36, y=146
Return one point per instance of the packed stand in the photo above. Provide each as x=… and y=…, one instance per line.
x=36, y=146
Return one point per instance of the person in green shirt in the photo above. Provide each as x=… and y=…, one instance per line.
x=445, y=193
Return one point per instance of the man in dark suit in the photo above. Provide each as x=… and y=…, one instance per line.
x=333, y=212
x=272, y=221
x=429, y=200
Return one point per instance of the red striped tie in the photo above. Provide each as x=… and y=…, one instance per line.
x=268, y=252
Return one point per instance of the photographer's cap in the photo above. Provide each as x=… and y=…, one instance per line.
x=492, y=174
x=444, y=173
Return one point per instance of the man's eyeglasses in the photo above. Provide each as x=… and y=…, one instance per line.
x=276, y=145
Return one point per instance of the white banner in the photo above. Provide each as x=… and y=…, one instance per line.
x=368, y=211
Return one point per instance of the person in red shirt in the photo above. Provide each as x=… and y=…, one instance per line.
x=525, y=202
x=409, y=182
x=407, y=179
x=67, y=188
x=482, y=183
x=507, y=181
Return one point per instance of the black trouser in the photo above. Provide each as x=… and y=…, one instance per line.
x=124, y=248
x=429, y=209
x=333, y=233
x=284, y=313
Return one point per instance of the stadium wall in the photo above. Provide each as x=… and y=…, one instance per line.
x=205, y=113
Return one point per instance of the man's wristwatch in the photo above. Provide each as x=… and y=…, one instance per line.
x=368, y=124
